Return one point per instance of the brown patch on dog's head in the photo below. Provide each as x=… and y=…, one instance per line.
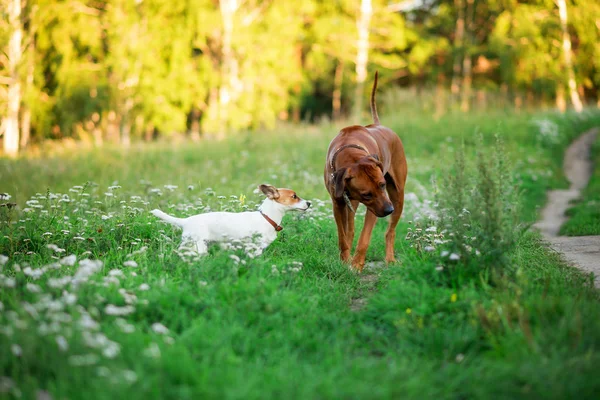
x=364, y=181
x=286, y=197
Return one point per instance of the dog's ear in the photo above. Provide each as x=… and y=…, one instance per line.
x=340, y=177
x=270, y=191
x=375, y=159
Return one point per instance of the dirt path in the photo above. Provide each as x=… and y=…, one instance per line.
x=581, y=251
x=368, y=279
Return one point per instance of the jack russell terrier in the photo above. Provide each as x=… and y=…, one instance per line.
x=227, y=226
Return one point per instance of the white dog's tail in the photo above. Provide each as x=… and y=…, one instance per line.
x=167, y=218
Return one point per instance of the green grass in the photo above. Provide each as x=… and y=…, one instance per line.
x=263, y=327
x=584, y=216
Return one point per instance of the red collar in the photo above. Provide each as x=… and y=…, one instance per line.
x=270, y=221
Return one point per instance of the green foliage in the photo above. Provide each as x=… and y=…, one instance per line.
x=145, y=66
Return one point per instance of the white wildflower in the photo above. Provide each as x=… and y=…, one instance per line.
x=7, y=282
x=115, y=272
x=124, y=326
x=69, y=261
x=454, y=257
x=429, y=248
x=160, y=328
x=111, y=350
x=62, y=343
x=445, y=253
x=83, y=360
x=33, y=288
x=4, y=196
x=114, y=310
x=16, y=350
x=129, y=376
x=144, y=287
x=152, y=351
x=54, y=247
x=58, y=283
x=130, y=263
x=3, y=259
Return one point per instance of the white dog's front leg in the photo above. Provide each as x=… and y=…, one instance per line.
x=201, y=247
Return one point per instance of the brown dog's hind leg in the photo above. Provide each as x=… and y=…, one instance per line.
x=397, y=199
x=358, y=262
x=340, y=213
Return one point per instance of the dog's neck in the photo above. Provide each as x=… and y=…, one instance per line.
x=273, y=210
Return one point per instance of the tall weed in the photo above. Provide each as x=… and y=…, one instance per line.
x=478, y=209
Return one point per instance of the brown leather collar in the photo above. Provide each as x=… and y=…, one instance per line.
x=270, y=221
x=346, y=146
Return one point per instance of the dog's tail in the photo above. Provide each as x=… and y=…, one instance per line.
x=167, y=218
x=373, y=106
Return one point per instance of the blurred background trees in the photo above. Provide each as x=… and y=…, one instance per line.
x=111, y=71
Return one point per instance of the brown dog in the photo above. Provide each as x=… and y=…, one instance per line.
x=366, y=164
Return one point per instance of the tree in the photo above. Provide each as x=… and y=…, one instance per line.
x=11, y=121
x=362, y=53
x=566, y=45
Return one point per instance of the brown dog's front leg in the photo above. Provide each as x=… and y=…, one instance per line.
x=351, y=216
x=340, y=212
x=358, y=262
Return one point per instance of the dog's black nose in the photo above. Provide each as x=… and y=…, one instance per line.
x=388, y=210
x=308, y=203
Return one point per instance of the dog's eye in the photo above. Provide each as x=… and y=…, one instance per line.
x=367, y=196
x=294, y=196
x=382, y=186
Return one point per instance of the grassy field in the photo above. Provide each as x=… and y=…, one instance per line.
x=96, y=301
x=585, y=214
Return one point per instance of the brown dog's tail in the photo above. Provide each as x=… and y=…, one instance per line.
x=373, y=106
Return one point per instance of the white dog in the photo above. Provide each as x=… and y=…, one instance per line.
x=226, y=226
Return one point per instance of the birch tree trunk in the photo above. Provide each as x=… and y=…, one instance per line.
x=11, y=121
x=459, y=34
x=26, y=110
x=362, y=55
x=228, y=67
x=467, y=60
x=562, y=10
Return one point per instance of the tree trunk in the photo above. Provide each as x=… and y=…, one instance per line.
x=459, y=33
x=126, y=123
x=11, y=121
x=467, y=60
x=440, y=90
x=26, y=111
x=228, y=67
x=195, y=124
x=112, y=127
x=562, y=10
x=561, y=102
x=149, y=133
x=338, y=80
x=362, y=55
